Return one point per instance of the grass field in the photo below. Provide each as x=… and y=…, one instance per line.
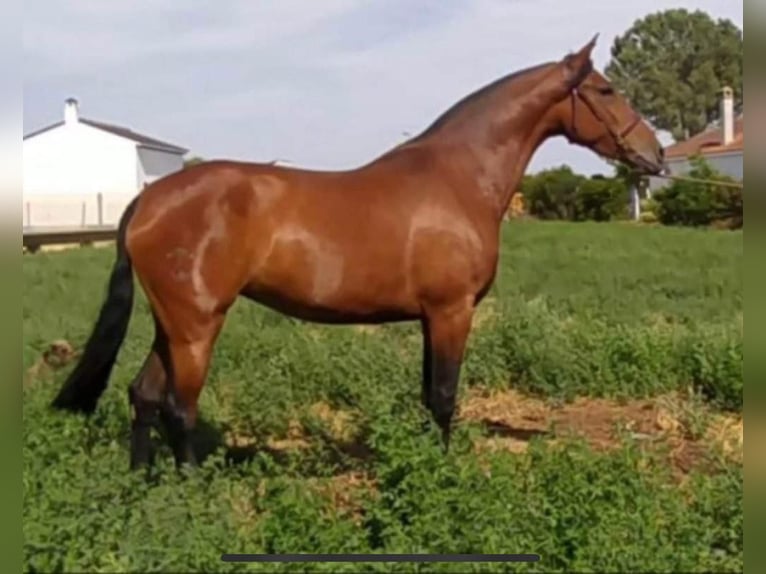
x=600, y=423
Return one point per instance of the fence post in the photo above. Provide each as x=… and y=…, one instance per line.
x=100, y=200
x=82, y=214
x=636, y=202
x=29, y=215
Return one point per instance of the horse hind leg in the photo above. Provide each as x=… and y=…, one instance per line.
x=188, y=362
x=146, y=395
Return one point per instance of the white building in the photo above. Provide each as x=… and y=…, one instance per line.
x=83, y=172
x=722, y=146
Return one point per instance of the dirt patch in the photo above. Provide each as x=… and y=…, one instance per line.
x=674, y=421
x=339, y=422
x=345, y=492
x=729, y=433
x=295, y=439
x=242, y=504
x=368, y=329
x=339, y=428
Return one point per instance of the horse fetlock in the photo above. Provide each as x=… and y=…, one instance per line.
x=142, y=412
x=443, y=410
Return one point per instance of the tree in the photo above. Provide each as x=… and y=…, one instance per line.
x=672, y=65
x=194, y=160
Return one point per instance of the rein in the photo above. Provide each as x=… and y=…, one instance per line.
x=737, y=184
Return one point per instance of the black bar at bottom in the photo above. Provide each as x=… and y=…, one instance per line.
x=380, y=558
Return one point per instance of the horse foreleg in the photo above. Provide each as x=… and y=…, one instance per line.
x=448, y=329
x=425, y=396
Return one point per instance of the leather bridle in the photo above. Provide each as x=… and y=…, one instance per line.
x=619, y=135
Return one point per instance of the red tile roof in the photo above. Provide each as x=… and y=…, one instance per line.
x=709, y=142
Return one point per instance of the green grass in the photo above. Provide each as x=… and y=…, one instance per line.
x=578, y=309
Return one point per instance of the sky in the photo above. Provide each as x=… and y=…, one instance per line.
x=325, y=84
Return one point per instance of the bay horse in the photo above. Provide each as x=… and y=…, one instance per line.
x=411, y=236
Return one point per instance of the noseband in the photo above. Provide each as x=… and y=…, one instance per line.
x=619, y=135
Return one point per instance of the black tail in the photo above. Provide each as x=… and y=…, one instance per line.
x=89, y=378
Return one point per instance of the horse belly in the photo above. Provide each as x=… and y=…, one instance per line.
x=339, y=311
x=330, y=289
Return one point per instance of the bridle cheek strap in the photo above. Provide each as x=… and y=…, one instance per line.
x=618, y=135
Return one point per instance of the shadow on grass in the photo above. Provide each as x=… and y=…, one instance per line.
x=319, y=449
x=503, y=430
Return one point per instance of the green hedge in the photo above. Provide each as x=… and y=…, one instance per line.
x=559, y=193
x=698, y=204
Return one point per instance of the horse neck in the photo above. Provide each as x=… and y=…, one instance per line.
x=496, y=156
x=517, y=157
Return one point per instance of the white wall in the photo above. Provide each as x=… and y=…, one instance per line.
x=78, y=159
x=67, y=167
x=154, y=164
x=729, y=163
x=74, y=210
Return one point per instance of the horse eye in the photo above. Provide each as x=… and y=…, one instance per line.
x=606, y=90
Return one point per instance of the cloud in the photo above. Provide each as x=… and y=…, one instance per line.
x=90, y=36
x=328, y=84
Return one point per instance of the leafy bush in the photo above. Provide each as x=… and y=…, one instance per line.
x=560, y=193
x=698, y=204
x=542, y=352
x=567, y=504
x=601, y=199
x=648, y=211
x=550, y=194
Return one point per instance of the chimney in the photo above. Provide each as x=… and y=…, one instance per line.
x=71, y=114
x=727, y=116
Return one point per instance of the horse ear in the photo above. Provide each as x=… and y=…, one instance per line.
x=578, y=65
